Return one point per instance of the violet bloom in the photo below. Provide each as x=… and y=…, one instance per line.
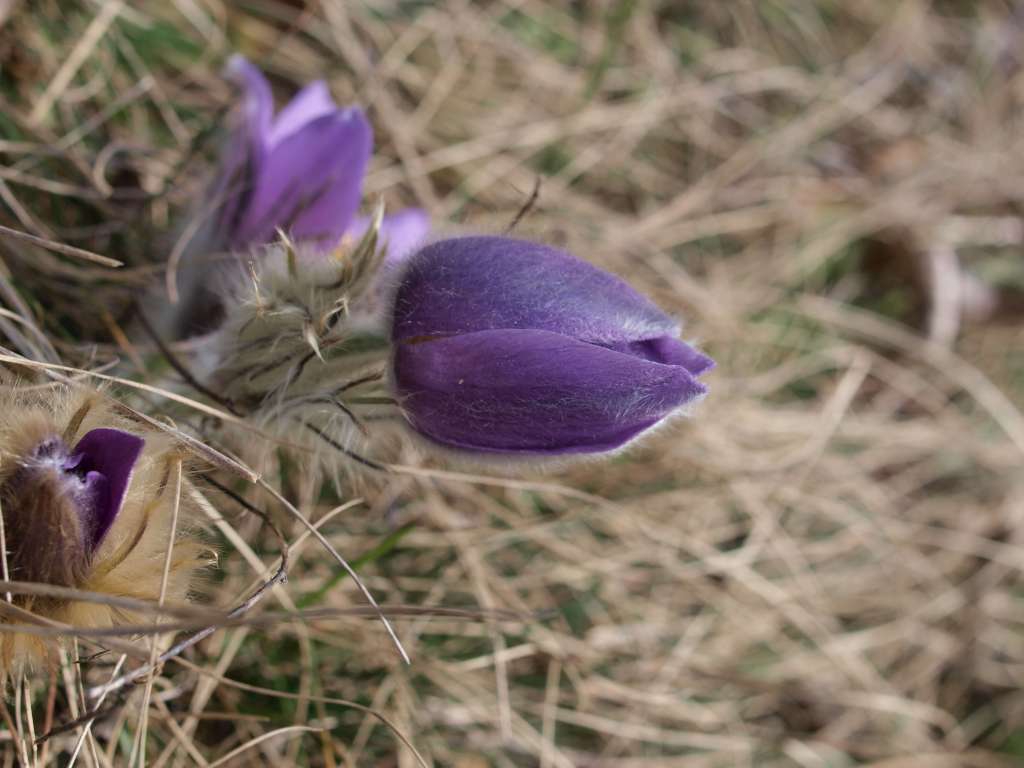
x=300, y=171
x=509, y=347
x=60, y=503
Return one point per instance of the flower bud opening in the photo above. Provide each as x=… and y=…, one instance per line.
x=59, y=503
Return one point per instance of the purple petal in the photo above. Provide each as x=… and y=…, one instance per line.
x=533, y=392
x=311, y=102
x=480, y=283
x=246, y=149
x=312, y=181
x=258, y=101
x=403, y=232
x=670, y=351
x=104, y=458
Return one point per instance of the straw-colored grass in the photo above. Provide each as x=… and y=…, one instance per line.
x=822, y=568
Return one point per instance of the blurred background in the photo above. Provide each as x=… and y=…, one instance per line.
x=821, y=568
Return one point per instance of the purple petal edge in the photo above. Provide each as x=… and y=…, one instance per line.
x=477, y=283
x=110, y=454
x=258, y=101
x=311, y=102
x=532, y=392
x=245, y=150
x=669, y=351
x=403, y=232
x=311, y=183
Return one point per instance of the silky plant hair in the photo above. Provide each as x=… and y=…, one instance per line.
x=42, y=536
x=298, y=354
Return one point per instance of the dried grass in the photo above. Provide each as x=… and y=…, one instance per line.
x=823, y=568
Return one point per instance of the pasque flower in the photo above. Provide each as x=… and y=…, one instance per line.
x=59, y=503
x=505, y=346
x=87, y=501
x=300, y=171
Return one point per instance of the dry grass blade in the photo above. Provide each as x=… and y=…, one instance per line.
x=108, y=12
x=66, y=250
x=343, y=563
x=292, y=729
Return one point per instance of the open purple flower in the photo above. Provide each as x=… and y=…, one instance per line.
x=509, y=347
x=300, y=171
x=60, y=503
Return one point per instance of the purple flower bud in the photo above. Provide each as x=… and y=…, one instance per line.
x=510, y=347
x=59, y=503
x=301, y=171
